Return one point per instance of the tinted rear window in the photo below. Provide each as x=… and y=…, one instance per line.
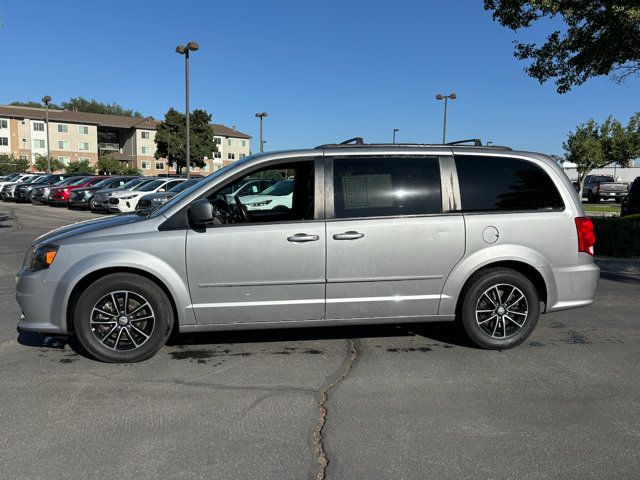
x=385, y=186
x=504, y=184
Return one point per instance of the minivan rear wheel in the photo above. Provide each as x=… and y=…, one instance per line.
x=123, y=318
x=500, y=308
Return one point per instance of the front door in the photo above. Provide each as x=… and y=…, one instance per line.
x=270, y=269
x=389, y=247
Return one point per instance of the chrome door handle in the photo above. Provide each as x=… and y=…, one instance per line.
x=303, y=237
x=351, y=235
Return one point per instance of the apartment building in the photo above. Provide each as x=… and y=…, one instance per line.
x=77, y=136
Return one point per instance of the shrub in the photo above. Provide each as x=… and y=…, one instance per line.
x=82, y=166
x=617, y=237
x=10, y=164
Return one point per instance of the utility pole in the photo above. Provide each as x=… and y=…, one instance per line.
x=184, y=50
x=451, y=96
x=261, y=116
x=47, y=99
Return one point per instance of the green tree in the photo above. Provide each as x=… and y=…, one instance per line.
x=82, y=166
x=10, y=164
x=41, y=164
x=601, y=38
x=594, y=145
x=81, y=104
x=110, y=165
x=33, y=104
x=170, y=138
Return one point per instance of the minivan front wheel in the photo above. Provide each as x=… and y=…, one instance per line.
x=123, y=317
x=500, y=309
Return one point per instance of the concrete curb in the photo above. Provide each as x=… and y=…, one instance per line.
x=613, y=264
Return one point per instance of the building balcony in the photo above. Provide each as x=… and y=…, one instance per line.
x=109, y=146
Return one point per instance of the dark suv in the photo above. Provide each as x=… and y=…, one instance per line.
x=631, y=203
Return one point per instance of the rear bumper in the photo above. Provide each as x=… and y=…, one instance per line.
x=58, y=201
x=572, y=287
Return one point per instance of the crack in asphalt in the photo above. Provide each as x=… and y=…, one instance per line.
x=318, y=434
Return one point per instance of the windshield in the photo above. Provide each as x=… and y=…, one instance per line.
x=285, y=187
x=77, y=181
x=131, y=183
x=183, y=186
x=148, y=187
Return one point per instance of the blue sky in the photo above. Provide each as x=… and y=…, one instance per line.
x=324, y=71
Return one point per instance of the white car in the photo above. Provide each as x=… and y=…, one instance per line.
x=23, y=177
x=278, y=196
x=124, y=201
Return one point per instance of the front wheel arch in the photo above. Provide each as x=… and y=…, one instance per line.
x=87, y=280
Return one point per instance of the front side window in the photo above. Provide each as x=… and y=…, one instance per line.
x=504, y=184
x=386, y=186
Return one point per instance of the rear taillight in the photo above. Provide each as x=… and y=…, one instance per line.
x=586, y=236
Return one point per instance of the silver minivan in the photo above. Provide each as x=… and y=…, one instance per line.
x=487, y=236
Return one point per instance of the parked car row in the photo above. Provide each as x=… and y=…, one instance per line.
x=99, y=193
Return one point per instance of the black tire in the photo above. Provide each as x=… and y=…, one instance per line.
x=91, y=204
x=473, y=298
x=618, y=200
x=138, y=287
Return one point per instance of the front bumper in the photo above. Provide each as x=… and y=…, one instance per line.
x=41, y=303
x=123, y=206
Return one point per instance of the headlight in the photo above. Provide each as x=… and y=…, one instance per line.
x=259, y=204
x=42, y=257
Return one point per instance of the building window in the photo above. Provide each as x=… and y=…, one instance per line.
x=63, y=145
x=38, y=143
x=3, y=124
x=217, y=141
x=83, y=145
x=242, y=155
x=145, y=134
x=146, y=165
x=205, y=168
x=4, y=141
x=159, y=165
x=230, y=141
x=244, y=143
x=83, y=130
x=64, y=160
x=63, y=128
x=146, y=150
x=38, y=127
x=217, y=154
x=231, y=156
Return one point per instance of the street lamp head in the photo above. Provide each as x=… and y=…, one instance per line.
x=46, y=99
x=262, y=115
x=193, y=46
x=396, y=129
x=439, y=96
x=452, y=96
x=181, y=49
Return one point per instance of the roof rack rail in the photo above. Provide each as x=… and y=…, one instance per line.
x=476, y=142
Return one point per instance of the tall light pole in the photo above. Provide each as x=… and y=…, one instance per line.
x=184, y=50
x=47, y=100
x=394, y=134
x=451, y=96
x=261, y=116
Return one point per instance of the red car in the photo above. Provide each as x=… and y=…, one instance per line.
x=60, y=195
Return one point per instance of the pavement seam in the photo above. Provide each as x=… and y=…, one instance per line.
x=318, y=434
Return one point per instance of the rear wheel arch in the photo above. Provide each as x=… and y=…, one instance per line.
x=525, y=269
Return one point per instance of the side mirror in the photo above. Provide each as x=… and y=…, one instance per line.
x=200, y=213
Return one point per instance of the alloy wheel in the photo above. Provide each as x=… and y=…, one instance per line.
x=122, y=320
x=501, y=311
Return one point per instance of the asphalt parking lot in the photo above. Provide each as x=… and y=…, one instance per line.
x=403, y=402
